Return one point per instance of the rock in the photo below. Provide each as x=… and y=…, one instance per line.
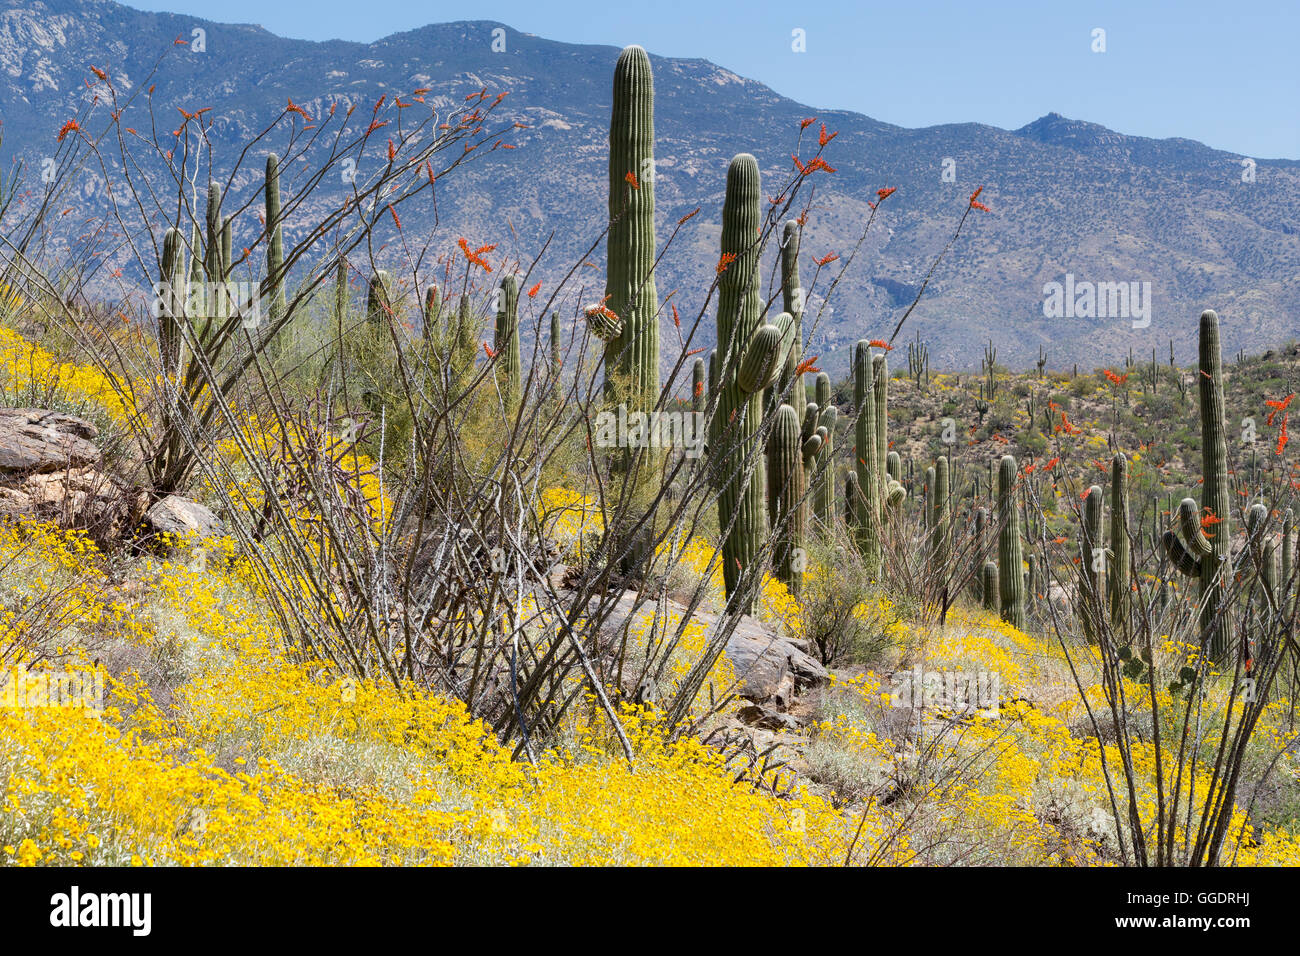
x=15, y=504
x=765, y=717
x=769, y=667
x=38, y=440
x=181, y=517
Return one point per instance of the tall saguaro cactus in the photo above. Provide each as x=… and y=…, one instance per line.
x=379, y=297
x=275, y=244
x=824, y=477
x=506, y=341
x=867, y=518
x=1011, y=575
x=1117, y=576
x=1092, y=546
x=785, y=505
x=632, y=357
x=880, y=375
x=1200, y=554
x=748, y=359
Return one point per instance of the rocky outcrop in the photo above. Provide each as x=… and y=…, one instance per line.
x=34, y=440
x=770, y=667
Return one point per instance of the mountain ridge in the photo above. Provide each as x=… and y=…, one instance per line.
x=1067, y=196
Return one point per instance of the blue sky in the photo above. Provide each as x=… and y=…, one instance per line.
x=1224, y=74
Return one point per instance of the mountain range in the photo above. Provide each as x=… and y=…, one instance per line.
x=1067, y=198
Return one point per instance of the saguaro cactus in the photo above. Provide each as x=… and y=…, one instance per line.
x=632, y=356
x=379, y=297
x=880, y=376
x=940, y=521
x=1011, y=577
x=1117, y=575
x=275, y=243
x=171, y=336
x=785, y=493
x=989, y=586
x=749, y=359
x=792, y=299
x=1091, y=559
x=506, y=342
x=698, y=397
x=824, y=475
x=867, y=522
x=1204, y=553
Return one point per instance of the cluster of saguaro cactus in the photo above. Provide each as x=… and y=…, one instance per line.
x=1204, y=552
x=632, y=355
x=918, y=361
x=506, y=342
x=1011, y=577
x=749, y=358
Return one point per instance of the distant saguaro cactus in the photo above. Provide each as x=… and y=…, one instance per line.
x=1011, y=577
x=506, y=342
x=1117, y=575
x=785, y=504
x=867, y=520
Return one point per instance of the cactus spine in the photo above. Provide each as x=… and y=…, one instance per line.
x=1200, y=555
x=1011, y=577
x=275, y=244
x=867, y=520
x=506, y=342
x=785, y=494
x=1117, y=576
x=632, y=356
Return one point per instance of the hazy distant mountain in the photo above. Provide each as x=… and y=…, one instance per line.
x=1068, y=197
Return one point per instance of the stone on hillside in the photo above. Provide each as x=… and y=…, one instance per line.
x=180, y=516
x=38, y=440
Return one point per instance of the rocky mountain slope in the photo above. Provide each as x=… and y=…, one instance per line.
x=1067, y=197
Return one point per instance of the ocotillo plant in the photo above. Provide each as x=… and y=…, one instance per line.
x=867, y=520
x=275, y=245
x=1117, y=573
x=749, y=359
x=1199, y=554
x=785, y=505
x=506, y=342
x=632, y=357
x=1011, y=578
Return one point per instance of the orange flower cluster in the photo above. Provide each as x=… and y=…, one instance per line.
x=475, y=256
x=1278, y=406
x=727, y=259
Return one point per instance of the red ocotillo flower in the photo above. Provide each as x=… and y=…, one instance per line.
x=886, y=193
x=1281, y=438
x=806, y=123
x=806, y=366
x=880, y=344
x=489, y=351
x=826, y=259
x=295, y=108
x=71, y=126
x=823, y=138
x=727, y=259
x=1278, y=406
x=532, y=293
x=631, y=179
